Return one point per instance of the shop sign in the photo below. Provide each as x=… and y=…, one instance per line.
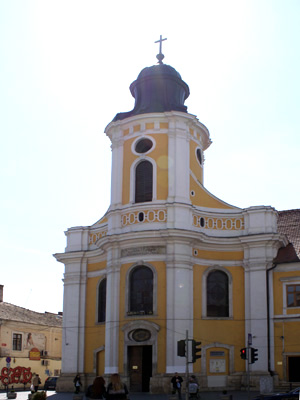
x=34, y=354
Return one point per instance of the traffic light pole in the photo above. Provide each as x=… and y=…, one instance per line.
x=248, y=372
x=249, y=343
x=187, y=365
x=183, y=351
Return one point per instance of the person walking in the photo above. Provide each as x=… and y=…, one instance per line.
x=177, y=382
x=77, y=383
x=36, y=382
x=116, y=389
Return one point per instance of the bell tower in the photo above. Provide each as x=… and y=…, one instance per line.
x=156, y=148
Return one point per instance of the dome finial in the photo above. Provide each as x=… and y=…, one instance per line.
x=160, y=55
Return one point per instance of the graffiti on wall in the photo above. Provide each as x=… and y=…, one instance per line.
x=15, y=375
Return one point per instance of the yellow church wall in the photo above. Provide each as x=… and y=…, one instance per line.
x=162, y=163
x=94, y=333
x=286, y=340
x=230, y=332
x=203, y=198
x=219, y=255
x=195, y=167
x=96, y=266
x=213, y=361
x=103, y=220
x=100, y=363
x=159, y=319
x=128, y=159
x=159, y=155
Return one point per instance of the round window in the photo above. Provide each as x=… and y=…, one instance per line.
x=143, y=145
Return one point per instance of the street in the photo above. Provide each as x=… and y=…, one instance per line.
x=212, y=395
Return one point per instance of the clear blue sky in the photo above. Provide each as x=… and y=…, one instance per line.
x=65, y=71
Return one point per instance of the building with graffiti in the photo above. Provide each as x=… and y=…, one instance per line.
x=30, y=343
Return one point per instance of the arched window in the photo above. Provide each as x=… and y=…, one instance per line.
x=143, y=182
x=141, y=291
x=102, y=301
x=217, y=294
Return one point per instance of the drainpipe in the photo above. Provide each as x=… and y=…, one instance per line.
x=268, y=320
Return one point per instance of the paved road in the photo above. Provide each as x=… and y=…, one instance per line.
x=52, y=395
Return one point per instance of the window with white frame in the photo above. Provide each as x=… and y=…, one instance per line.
x=17, y=342
x=217, y=293
x=293, y=295
x=141, y=290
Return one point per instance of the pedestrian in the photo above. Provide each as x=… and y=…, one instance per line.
x=77, y=383
x=116, y=389
x=97, y=389
x=193, y=379
x=176, y=382
x=193, y=386
x=36, y=382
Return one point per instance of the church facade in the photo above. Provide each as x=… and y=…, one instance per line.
x=169, y=260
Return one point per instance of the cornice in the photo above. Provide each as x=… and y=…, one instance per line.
x=70, y=256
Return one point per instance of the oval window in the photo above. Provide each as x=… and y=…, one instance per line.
x=141, y=335
x=143, y=145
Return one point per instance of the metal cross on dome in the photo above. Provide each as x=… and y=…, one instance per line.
x=160, y=56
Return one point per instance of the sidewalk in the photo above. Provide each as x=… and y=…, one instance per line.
x=52, y=395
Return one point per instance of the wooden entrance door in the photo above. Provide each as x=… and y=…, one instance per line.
x=140, y=368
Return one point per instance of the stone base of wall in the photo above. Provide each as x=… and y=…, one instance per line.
x=65, y=383
x=161, y=383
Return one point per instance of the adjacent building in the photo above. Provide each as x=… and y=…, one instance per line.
x=30, y=343
x=169, y=260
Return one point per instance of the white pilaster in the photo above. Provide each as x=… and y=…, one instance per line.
x=112, y=314
x=74, y=317
x=179, y=167
x=256, y=312
x=179, y=303
x=117, y=171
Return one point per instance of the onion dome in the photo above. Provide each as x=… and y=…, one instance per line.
x=157, y=89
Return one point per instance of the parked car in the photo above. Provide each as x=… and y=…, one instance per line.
x=50, y=383
x=293, y=394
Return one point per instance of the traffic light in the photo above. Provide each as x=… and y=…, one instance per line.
x=195, y=350
x=244, y=353
x=254, y=355
x=181, y=348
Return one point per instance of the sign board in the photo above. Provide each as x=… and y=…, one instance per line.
x=249, y=339
x=34, y=354
x=217, y=366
